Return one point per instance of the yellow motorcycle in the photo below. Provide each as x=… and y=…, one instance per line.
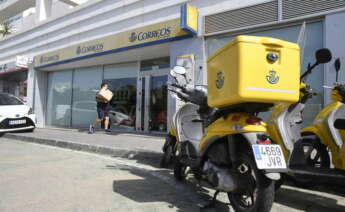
x=219, y=138
x=308, y=158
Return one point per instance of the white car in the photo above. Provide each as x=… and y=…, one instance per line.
x=15, y=115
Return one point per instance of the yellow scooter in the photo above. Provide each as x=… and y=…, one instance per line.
x=308, y=159
x=328, y=132
x=169, y=148
x=227, y=147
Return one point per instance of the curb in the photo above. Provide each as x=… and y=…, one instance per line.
x=103, y=150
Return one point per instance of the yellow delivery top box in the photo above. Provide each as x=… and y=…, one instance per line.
x=254, y=69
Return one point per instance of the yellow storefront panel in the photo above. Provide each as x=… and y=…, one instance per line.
x=113, y=43
x=254, y=69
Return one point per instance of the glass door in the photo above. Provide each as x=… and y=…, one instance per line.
x=158, y=103
x=153, y=107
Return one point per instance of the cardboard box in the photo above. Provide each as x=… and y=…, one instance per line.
x=105, y=94
x=242, y=72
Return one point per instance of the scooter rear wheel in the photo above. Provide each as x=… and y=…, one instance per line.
x=259, y=195
x=278, y=184
x=167, y=157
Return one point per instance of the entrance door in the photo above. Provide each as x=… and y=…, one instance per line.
x=152, y=100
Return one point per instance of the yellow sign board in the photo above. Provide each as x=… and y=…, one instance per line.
x=143, y=36
x=189, y=18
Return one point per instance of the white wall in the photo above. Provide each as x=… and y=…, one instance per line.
x=98, y=18
x=37, y=94
x=334, y=37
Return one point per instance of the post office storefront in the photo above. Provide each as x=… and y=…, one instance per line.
x=137, y=91
x=136, y=65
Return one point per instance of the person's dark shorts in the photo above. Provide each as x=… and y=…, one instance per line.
x=102, y=110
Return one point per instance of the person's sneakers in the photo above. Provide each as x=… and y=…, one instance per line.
x=107, y=130
x=91, y=129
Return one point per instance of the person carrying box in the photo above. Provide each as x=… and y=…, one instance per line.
x=103, y=98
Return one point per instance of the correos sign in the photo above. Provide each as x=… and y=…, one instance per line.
x=142, y=36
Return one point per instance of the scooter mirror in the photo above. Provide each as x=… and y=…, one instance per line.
x=337, y=68
x=172, y=73
x=179, y=70
x=323, y=56
x=337, y=64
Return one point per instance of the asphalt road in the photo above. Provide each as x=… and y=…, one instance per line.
x=41, y=178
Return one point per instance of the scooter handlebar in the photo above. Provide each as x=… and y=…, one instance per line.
x=176, y=86
x=180, y=94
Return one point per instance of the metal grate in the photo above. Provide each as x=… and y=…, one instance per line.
x=247, y=16
x=297, y=8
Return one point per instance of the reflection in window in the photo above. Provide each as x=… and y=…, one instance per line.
x=122, y=79
x=86, y=83
x=158, y=104
x=59, y=98
x=124, y=101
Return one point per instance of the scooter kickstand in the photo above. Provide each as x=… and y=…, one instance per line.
x=212, y=203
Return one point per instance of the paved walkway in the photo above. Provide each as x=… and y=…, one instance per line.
x=116, y=144
x=35, y=178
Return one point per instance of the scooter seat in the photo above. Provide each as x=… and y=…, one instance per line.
x=339, y=124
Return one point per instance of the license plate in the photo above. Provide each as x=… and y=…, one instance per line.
x=17, y=122
x=269, y=156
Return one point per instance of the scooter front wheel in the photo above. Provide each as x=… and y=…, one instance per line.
x=259, y=195
x=316, y=153
x=316, y=156
x=180, y=171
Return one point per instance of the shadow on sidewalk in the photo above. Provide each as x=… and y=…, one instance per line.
x=184, y=196
x=85, y=130
x=121, y=131
x=148, y=189
x=151, y=159
x=307, y=201
x=331, y=187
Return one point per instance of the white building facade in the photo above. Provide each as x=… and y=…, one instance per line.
x=132, y=44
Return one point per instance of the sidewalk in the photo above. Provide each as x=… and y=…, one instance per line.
x=127, y=145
